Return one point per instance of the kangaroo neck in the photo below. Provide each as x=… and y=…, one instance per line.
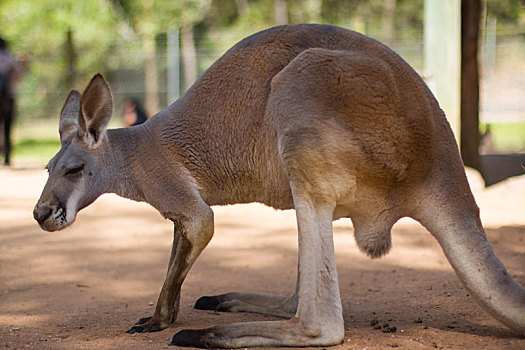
x=127, y=160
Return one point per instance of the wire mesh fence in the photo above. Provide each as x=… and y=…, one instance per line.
x=501, y=66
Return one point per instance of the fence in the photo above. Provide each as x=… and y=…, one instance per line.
x=502, y=54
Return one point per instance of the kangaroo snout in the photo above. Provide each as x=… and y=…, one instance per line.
x=50, y=215
x=41, y=213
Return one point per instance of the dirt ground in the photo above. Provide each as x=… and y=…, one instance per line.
x=83, y=287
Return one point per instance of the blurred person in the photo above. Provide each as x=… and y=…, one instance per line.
x=9, y=74
x=133, y=112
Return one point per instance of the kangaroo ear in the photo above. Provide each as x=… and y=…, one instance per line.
x=96, y=108
x=68, y=125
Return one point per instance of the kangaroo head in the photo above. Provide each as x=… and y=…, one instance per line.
x=75, y=172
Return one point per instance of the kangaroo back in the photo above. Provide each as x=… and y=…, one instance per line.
x=229, y=142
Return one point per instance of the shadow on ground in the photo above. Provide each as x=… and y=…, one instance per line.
x=85, y=286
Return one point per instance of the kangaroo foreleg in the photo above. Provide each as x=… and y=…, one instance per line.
x=187, y=246
x=174, y=245
x=176, y=237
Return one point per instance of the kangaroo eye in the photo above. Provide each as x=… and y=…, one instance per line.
x=75, y=170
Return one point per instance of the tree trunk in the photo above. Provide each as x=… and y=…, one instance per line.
x=470, y=19
x=280, y=12
x=147, y=34
x=189, y=57
x=71, y=57
x=388, y=21
x=150, y=75
x=242, y=7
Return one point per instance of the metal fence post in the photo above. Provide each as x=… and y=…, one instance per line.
x=443, y=56
x=173, y=57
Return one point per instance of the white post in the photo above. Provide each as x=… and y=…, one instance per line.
x=443, y=56
x=173, y=57
x=490, y=46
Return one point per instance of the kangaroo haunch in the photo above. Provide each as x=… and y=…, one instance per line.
x=314, y=118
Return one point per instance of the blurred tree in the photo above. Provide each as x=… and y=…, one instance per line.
x=388, y=21
x=69, y=40
x=505, y=10
x=280, y=12
x=409, y=14
x=40, y=29
x=71, y=58
x=242, y=7
x=303, y=11
x=148, y=18
x=469, y=140
x=224, y=13
x=141, y=18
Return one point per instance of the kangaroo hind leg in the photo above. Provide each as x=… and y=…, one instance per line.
x=191, y=235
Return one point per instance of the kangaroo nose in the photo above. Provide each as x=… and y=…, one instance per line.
x=41, y=213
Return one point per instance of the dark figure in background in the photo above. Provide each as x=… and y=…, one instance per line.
x=8, y=76
x=133, y=112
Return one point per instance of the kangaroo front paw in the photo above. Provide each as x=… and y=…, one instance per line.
x=146, y=325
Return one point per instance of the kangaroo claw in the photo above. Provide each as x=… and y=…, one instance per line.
x=147, y=327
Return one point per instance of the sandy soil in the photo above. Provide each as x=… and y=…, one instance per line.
x=83, y=287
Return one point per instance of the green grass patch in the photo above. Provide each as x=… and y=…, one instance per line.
x=506, y=137
x=35, y=149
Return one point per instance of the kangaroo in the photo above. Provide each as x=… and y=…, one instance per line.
x=314, y=118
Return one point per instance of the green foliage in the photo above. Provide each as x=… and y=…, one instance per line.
x=223, y=13
x=35, y=150
x=151, y=17
x=409, y=14
x=506, y=137
x=104, y=31
x=38, y=29
x=505, y=10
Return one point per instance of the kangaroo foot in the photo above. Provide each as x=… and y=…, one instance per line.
x=264, y=334
x=190, y=338
x=274, y=305
x=147, y=325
